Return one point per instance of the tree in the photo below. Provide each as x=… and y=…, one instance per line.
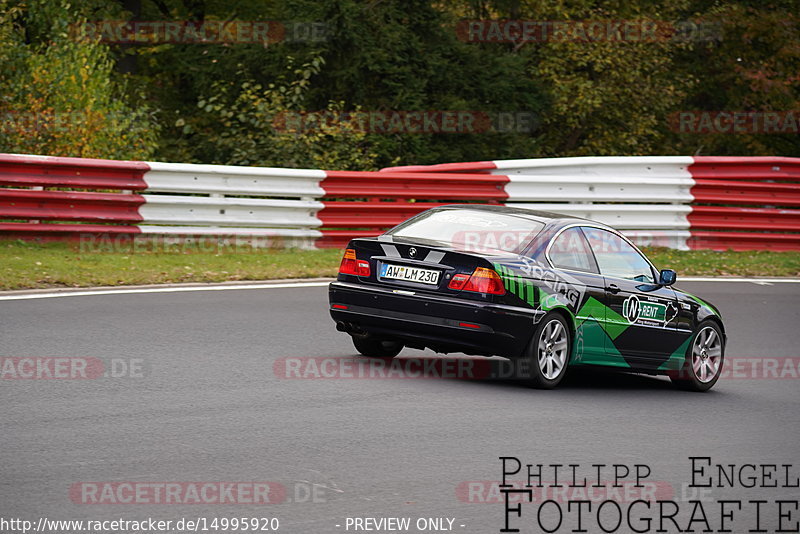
x=753, y=66
x=60, y=93
x=244, y=123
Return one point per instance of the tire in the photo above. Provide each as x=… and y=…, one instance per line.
x=549, y=352
x=704, y=359
x=376, y=348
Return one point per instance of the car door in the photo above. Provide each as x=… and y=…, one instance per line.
x=641, y=316
x=584, y=289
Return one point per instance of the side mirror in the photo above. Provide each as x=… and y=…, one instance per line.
x=668, y=277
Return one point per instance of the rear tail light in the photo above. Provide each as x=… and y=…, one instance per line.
x=458, y=281
x=351, y=265
x=482, y=280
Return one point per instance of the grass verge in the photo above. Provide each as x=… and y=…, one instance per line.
x=25, y=265
x=726, y=263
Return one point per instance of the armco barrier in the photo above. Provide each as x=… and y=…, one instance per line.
x=362, y=204
x=703, y=202
x=28, y=202
x=176, y=200
x=44, y=171
x=648, y=198
x=745, y=203
x=676, y=201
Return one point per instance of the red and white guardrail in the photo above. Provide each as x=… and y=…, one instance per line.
x=701, y=202
x=676, y=201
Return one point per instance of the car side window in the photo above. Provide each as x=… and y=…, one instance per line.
x=570, y=250
x=617, y=258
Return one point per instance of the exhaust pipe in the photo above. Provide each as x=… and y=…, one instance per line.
x=350, y=328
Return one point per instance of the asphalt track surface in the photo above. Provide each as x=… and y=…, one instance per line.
x=211, y=408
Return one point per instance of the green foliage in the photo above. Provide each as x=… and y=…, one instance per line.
x=405, y=55
x=754, y=66
x=607, y=98
x=60, y=94
x=247, y=124
x=378, y=56
x=228, y=102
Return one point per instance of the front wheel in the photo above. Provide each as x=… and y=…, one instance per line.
x=704, y=359
x=376, y=348
x=548, y=352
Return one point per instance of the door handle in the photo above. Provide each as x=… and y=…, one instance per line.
x=612, y=288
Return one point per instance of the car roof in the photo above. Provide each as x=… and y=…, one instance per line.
x=545, y=217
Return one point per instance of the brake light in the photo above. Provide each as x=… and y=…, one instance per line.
x=458, y=281
x=351, y=265
x=482, y=280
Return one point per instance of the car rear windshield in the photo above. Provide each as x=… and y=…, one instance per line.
x=469, y=229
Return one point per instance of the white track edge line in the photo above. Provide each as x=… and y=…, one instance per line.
x=160, y=290
x=88, y=293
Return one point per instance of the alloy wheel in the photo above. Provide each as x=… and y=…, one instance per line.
x=553, y=349
x=706, y=354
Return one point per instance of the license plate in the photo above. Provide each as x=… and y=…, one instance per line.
x=410, y=274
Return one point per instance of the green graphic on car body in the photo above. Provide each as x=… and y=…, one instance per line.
x=595, y=324
x=676, y=359
x=519, y=286
x=569, y=291
x=703, y=304
x=612, y=323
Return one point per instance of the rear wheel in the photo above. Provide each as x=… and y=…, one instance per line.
x=704, y=359
x=376, y=347
x=548, y=352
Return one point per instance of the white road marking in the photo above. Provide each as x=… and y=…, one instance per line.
x=284, y=285
x=178, y=289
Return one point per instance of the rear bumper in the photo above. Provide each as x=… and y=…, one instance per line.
x=444, y=324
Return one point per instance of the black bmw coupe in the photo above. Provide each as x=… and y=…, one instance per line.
x=553, y=290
